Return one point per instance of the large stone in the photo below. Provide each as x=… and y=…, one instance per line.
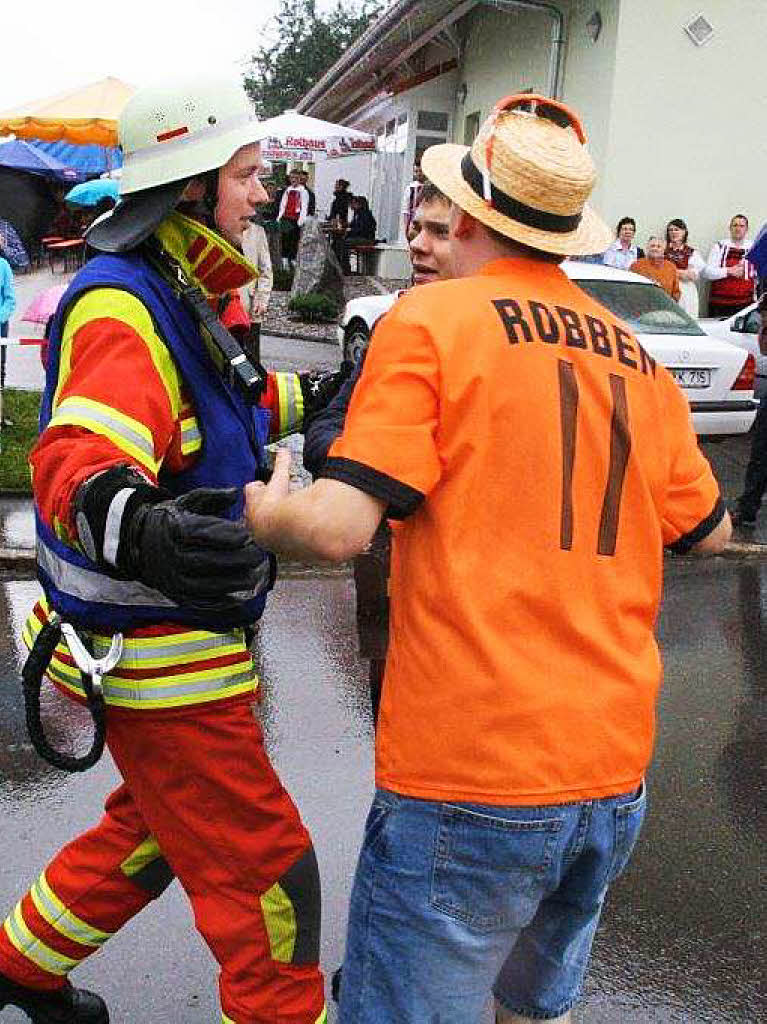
x=274, y=240
x=317, y=268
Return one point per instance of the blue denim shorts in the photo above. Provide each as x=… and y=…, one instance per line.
x=454, y=901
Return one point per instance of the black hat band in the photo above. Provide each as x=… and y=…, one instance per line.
x=512, y=208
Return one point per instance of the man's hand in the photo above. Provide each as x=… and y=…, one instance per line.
x=738, y=270
x=261, y=499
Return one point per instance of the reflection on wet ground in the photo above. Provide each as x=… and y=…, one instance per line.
x=682, y=937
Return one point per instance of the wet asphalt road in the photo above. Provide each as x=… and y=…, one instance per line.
x=683, y=935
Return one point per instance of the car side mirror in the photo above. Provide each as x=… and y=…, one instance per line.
x=739, y=324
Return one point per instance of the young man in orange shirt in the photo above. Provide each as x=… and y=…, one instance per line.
x=540, y=461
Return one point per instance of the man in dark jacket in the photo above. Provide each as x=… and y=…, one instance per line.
x=430, y=254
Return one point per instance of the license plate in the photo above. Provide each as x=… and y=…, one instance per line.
x=692, y=378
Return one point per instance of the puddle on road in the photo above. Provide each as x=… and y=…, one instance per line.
x=682, y=938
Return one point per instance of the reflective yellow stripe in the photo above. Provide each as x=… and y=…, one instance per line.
x=127, y=434
x=226, y=1020
x=25, y=942
x=191, y=438
x=119, y=305
x=323, y=1017
x=64, y=921
x=144, y=854
x=174, y=690
x=280, y=922
x=291, y=404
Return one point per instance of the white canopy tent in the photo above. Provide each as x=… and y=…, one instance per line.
x=296, y=137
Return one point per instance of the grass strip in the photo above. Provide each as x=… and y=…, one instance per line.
x=17, y=440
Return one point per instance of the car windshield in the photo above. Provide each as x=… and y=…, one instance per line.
x=645, y=307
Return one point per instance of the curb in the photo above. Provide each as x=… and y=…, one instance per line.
x=17, y=558
x=24, y=558
x=299, y=337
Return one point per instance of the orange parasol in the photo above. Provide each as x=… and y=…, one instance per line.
x=86, y=115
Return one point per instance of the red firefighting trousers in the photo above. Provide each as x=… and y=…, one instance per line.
x=200, y=800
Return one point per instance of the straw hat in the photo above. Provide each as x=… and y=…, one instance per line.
x=528, y=176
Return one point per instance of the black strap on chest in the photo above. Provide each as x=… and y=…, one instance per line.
x=227, y=354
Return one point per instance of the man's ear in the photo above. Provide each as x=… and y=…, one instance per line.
x=463, y=225
x=194, y=191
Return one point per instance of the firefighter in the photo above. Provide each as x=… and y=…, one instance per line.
x=137, y=477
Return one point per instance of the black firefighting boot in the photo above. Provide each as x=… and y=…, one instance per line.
x=68, y=1005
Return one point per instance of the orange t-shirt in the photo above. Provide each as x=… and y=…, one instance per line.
x=540, y=460
x=664, y=274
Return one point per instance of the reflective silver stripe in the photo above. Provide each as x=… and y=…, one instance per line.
x=190, y=435
x=291, y=413
x=152, y=652
x=98, y=588
x=135, y=692
x=62, y=919
x=33, y=949
x=95, y=587
x=117, y=426
x=114, y=522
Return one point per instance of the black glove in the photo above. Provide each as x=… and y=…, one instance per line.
x=178, y=546
x=186, y=551
x=319, y=388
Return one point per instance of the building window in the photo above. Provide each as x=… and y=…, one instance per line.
x=471, y=128
x=432, y=121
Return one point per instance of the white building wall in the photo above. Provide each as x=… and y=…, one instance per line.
x=589, y=77
x=509, y=52
x=505, y=53
x=688, y=124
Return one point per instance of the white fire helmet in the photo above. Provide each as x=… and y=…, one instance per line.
x=170, y=133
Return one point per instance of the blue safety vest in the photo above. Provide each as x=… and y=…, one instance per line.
x=233, y=437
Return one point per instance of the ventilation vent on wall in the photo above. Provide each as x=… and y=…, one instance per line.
x=699, y=29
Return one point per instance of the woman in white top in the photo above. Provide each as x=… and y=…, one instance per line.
x=688, y=263
x=622, y=253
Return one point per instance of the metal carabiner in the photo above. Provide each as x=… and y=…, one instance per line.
x=96, y=668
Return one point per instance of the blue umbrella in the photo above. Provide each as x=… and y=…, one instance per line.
x=92, y=192
x=88, y=160
x=22, y=156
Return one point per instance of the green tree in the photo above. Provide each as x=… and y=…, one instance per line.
x=305, y=45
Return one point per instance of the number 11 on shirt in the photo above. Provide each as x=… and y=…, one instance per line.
x=620, y=447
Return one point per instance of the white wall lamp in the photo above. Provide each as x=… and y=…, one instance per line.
x=594, y=26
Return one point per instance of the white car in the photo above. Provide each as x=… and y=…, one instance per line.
x=742, y=330
x=717, y=377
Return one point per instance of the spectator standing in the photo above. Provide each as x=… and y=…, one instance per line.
x=657, y=268
x=732, y=277
x=294, y=209
x=688, y=262
x=623, y=252
x=518, y=706
x=7, y=306
x=255, y=295
x=413, y=195
x=304, y=175
x=755, y=482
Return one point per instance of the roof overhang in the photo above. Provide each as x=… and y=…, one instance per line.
x=383, y=57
